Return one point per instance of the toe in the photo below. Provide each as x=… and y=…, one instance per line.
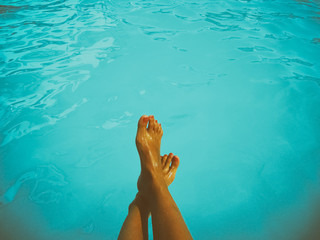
x=164, y=159
x=151, y=123
x=168, y=161
x=175, y=163
x=157, y=127
x=143, y=121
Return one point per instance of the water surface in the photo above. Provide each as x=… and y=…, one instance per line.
x=235, y=84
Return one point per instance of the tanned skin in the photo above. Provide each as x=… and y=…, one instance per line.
x=153, y=196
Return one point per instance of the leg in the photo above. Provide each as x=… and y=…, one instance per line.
x=167, y=220
x=135, y=225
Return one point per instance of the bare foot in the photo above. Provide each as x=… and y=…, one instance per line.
x=170, y=164
x=148, y=141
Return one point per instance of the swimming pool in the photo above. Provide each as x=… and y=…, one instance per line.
x=235, y=84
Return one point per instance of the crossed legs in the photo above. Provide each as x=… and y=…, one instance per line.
x=153, y=197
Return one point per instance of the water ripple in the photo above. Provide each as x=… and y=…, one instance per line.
x=47, y=47
x=25, y=127
x=197, y=59
x=46, y=185
x=301, y=77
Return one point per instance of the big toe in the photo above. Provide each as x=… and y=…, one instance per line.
x=143, y=122
x=152, y=123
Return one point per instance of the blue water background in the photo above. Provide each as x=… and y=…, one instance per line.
x=235, y=85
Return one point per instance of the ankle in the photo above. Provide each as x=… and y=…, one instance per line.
x=154, y=188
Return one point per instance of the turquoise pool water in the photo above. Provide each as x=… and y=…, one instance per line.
x=235, y=84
